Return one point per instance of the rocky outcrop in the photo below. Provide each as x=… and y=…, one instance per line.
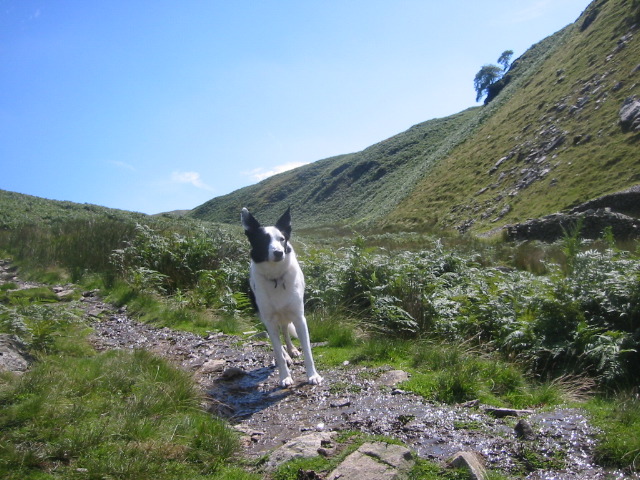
x=545, y=143
x=593, y=224
x=525, y=164
x=626, y=202
x=619, y=211
x=630, y=115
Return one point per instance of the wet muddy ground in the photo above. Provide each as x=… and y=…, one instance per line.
x=242, y=386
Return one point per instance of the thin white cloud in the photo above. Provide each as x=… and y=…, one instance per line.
x=192, y=178
x=531, y=12
x=124, y=165
x=260, y=173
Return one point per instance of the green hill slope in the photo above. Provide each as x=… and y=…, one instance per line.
x=17, y=209
x=554, y=143
x=549, y=140
x=365, y=185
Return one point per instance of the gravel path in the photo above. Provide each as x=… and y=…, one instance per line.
x=241, y=385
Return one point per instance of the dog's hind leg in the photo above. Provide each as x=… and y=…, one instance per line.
x=287, y=357
x=288, y=331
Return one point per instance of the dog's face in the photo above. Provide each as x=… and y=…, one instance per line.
x=268, y=244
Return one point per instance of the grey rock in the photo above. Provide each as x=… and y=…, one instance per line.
x=377, y=460
x=212, y=366
x=393, y=377
x=506, y=412
x=305, y=446
x=340, y=403
x=523, y=430
x=630, y=114
x=13, y=354
x=470, y=461
x=308, y=475
x=64, y=293
x=232, y=373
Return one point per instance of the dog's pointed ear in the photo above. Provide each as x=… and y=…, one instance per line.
x=284, y=223
x=248, y=222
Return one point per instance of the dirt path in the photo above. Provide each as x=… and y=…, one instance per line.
x=241, y=385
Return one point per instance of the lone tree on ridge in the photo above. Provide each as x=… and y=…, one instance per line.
x=490, y=74
x=505, y=59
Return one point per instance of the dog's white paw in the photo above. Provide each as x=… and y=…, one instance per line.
x=315, y=379
x=286, y=382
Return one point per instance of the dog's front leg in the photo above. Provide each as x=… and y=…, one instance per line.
x=309, y=365
x=278, y=353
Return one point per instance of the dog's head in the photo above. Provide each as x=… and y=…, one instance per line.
x=268, y=244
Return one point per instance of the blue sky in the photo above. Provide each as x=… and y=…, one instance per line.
x=154, y=106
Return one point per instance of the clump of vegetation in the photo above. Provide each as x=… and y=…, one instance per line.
x=619, y=421
x=578, y=320
x=119, y=413
x=79, y=414
x=167, y=261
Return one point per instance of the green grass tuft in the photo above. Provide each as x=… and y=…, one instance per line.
x=116, y=414
x=619, y=420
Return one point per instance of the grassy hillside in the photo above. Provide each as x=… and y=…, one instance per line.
x=76, y=239
x=17, y=209
x=551, y=139
x=360, y=186
x=556, y=140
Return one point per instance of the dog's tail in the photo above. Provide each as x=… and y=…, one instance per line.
x=292, y=330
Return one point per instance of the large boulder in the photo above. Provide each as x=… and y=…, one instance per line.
x=13, y=354
x=377, y=460
x=630, y=114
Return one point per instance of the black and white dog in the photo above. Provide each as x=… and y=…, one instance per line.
x=277, y=283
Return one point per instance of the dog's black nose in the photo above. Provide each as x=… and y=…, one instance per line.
x=278, y=254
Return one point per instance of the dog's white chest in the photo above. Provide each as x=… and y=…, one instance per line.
x=276, y=290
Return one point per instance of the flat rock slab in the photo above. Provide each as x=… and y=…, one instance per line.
x=305, y=446
x=393, y=377
x=375, y=460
